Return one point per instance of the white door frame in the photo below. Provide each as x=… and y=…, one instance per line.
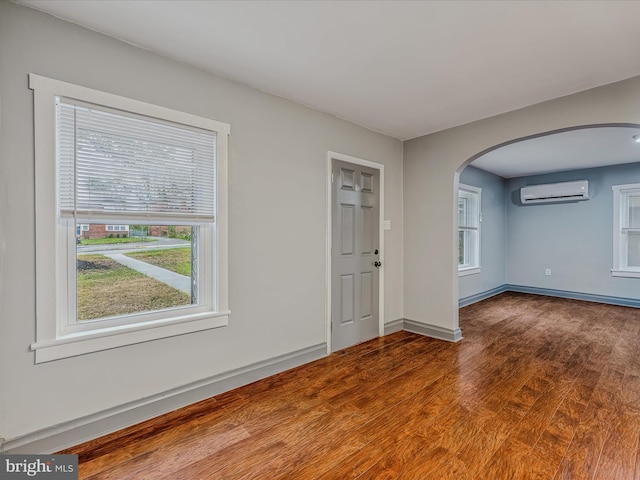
x=377, y=166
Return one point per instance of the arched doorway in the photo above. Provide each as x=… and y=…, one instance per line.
x=546, y=250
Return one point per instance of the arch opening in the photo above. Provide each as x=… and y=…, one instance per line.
x=560, y=260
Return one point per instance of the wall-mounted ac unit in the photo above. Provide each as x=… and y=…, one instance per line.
x=555, y=192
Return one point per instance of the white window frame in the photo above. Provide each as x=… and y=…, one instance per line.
x=620, y=211
x=55, y=241
x=474, y=267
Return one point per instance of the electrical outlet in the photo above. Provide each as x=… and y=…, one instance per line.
x=547, y=272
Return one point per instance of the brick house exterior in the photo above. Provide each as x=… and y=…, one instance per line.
x=95, y=230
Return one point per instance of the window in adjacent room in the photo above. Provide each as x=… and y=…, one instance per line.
x=111, y=162
x=626, y=230
x=468, y=230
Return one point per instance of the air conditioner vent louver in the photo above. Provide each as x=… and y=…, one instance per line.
x=555, y=192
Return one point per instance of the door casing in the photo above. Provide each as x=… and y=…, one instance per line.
x=380, y=167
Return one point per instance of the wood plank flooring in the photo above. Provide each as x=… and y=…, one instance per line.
x=540, y=388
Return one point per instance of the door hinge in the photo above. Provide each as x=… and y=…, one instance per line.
x=331, y=177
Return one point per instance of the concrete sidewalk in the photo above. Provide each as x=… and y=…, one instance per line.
x=159, y=243
x=175, y=280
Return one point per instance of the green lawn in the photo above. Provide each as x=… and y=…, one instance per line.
x=175, y=259
x=107, y=288
x=105, y=241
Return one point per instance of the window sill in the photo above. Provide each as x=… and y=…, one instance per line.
x=463, y=272
x=71, y=345
x=625, y=273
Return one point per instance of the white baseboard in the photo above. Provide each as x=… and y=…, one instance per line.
x=394, y=326
x=463, y=302
x=423, y=329
x=587, y=297
x=74, y=432
x=450, y=335
x=80, y=430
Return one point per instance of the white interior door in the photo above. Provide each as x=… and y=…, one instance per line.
x=355, y=254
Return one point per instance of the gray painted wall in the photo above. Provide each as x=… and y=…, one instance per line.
x=277, y=231
x=493, y=233
x=574, y=240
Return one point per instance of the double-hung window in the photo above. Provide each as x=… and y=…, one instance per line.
x=626, y=230
x=113, y=163
x=468, y=230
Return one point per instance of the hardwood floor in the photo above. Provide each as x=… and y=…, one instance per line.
x=540, y=388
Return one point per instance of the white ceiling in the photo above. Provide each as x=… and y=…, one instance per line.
x=403, y=68
x=584, y=148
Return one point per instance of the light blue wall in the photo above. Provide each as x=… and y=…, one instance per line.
x=574, y=240
x=493, y=233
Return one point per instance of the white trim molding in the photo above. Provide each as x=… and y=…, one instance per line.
x=58, y=334
x=433, y=331
x=474, y=197
x=463, y=272
x=625, y=273
x=394, y=326
x=621, y=230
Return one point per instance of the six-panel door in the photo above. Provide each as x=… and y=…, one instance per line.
x=354, y=253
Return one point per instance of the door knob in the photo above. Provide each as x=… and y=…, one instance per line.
x=377, y=264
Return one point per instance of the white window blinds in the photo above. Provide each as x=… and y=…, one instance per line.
x=118, y=165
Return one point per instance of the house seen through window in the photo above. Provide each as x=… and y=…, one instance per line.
x=116, y=166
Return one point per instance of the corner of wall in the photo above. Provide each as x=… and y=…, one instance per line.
x=402, y=282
